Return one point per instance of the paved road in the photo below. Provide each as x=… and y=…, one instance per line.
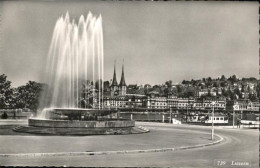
x=238, y=145
x=156, y=139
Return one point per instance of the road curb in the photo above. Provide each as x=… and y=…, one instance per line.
x=112, y=152
x=144, y=129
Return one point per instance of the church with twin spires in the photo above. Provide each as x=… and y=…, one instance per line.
x=118, y=90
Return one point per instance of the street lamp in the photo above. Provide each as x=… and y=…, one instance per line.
x=235, y=107
x=188, y=105
x=187, y=113
x=212, y=130
x=170, y=115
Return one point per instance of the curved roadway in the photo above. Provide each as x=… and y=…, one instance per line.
x=240, y=146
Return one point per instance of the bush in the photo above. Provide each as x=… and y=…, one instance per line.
x=4, y=116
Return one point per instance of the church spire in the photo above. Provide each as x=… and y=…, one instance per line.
x=114, y=82
x=122, y=82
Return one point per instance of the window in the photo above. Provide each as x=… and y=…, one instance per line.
x=217, y=118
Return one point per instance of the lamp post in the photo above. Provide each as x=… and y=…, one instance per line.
x=187, y=110
x=170, y=115
x=235, y=107
x=187, y=113
x=212, y=130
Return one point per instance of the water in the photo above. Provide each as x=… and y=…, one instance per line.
x=75, y=59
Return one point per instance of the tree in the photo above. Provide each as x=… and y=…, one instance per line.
x=179, y=90
x=238, y=92
x=4, y=116
x=223, y=78
x=223, y=84
x=189, y=92
x=234, y=78
x=168, y=83
x=167, y=91
x=6, y=92
x=253, y=97
x=106, y=86
x=209, y=94
x=215, y=84
x=193, y=82
x=258, y=89
x=98, y=83
x=208, y=81
x=29, y=95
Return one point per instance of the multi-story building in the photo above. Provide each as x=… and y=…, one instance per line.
x=157, y=102
x=135, y=100
x=185, y=103
x=127, y=101
x=205, y=104
x=219, y=104
x=246, y=105
x=198, y=104
x=253, y=106
x=241, y=104
x=203, y=92
x=172, y=101
x=115, y=102
x=122, y=96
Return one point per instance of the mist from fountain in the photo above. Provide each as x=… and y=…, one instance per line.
x=75, y=57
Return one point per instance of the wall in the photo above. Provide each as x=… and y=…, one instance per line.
x=81, y=124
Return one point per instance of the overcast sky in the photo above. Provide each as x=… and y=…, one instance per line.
x=159, y=41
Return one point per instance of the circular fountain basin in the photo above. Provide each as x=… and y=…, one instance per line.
x=55, y=125
x=116, y=123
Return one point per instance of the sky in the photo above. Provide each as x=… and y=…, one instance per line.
x=158, y=41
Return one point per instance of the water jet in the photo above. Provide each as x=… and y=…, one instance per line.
x=75, y=57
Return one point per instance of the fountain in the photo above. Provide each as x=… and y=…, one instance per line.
x=71, y=104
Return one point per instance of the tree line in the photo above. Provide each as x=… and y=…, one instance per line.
x=25, y=96
x=28, y=95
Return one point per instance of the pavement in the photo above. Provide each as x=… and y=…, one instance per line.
x=158, y=138
x=200, y=126
x=239, y=145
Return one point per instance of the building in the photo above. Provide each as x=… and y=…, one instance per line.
x=115, y=89
x=203, y=92
x=218, y=119
x=114, y=85
x=253, y=106
x=157, y=102
x=198, y=104
x=220, y=104
x=115, y=102
x=246, y=105
x=185, y=103
x=120, y=97
x=172, y=101
x=128, y=101
x=133, y=96
x=135, y=101
x=122, y=84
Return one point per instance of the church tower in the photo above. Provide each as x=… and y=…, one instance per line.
x=114, y=85
x=122, y=85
